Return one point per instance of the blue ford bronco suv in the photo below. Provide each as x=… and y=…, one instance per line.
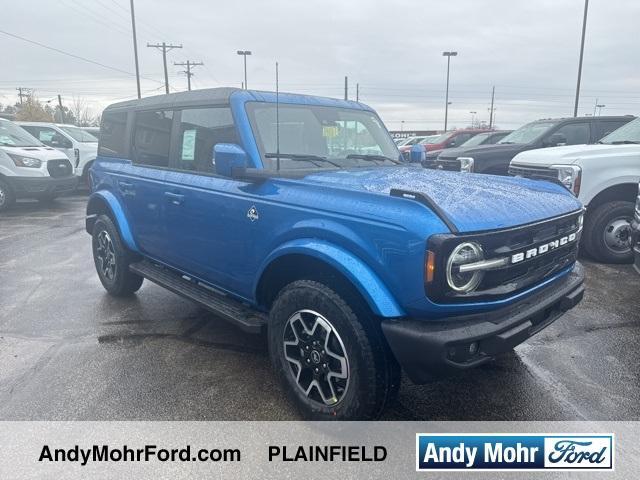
x=295, y=215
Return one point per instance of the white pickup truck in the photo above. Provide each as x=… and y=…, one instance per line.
x=604, y=177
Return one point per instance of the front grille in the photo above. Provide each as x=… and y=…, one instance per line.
x=515, y=277
x=448, y=164
x=59, y=168
x=533, y=172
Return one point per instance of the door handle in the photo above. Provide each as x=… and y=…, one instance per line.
x=126, y=188
x=174, y=198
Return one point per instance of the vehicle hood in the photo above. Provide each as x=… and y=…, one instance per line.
x=484, y=151
x=473, y=202
x=571, y=153
x=433, y=154
x=41, y=153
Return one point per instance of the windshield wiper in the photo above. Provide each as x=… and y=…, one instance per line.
x=624, y=142
x=371, y=157
x=506, y=143
x=303, y=157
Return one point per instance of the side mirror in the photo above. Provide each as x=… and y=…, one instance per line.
x=229, y=159
x=557, y=139
x=417, y=153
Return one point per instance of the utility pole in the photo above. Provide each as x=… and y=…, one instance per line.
x=584, y=29
x=26, y=94
x=61, y=109
x=346, y=87
x=357, y=92
x=165, y=48
x=493, y=93
x=446, y=105
x=189, y=64
x=135, y=48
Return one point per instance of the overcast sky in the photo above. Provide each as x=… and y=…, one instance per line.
x=393, y=49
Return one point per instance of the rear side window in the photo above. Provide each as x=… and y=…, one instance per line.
x=575, y=133
x=152, y=138
x=605, y=127
x=113, y=130
x=200, y=130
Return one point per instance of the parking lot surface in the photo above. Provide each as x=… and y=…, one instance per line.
x=69, y=351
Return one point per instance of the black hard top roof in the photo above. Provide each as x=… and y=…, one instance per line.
x=207, y=96
x=575, y=119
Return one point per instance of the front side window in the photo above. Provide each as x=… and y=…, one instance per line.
x=200, y=130
x=528, y=133
x=312, y=136
x=575, y=133
x=152, y=138
x=11, y=135
x=113, y=130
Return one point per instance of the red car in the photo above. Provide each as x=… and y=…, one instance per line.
x=451, y=139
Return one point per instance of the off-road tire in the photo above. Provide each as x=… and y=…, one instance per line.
x=374, y=375
x=122, y=282
x=594, y=232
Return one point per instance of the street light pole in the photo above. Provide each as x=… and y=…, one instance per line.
x=244, y=53
x=446, y=104
x=584, y=29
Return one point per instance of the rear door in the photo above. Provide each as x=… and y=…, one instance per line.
x=602, y=128
x=142, y=183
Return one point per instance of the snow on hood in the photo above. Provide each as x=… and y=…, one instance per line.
x=41, y=153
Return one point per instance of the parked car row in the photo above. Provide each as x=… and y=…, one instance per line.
x=43, y=160
x=602, y=172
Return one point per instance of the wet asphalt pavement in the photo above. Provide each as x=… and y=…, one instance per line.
x=68, y=351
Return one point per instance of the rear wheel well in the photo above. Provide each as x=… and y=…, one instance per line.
x=624, y=191
x=97, y=206
x=290, y=268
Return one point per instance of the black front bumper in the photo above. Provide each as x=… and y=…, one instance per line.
x=31, y=187
x=427, y=349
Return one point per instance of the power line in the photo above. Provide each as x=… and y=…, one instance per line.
x=73, y=55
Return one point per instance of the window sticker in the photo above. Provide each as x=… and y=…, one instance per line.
x=188, y=145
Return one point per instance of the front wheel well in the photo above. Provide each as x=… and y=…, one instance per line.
x=289, y=268
x=623, y=191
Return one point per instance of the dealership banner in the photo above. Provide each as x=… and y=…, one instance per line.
x=371, y=450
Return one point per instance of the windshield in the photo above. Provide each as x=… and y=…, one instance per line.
x=528, y=132
x=79, y=135
x=628, y=133
x=477, y=139
x=437, y=138
x=11, y=135
x=326, y=137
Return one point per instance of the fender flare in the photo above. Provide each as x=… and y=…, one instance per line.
x=120, y=218
x=370, y=286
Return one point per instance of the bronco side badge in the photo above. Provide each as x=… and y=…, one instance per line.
x=252, y=214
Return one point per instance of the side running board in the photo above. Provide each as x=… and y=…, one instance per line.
x=231, y=310
x=428, y=202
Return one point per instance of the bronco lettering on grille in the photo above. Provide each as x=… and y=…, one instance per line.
x=544, y=248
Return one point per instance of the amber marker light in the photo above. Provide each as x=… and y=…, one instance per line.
x=429, y=267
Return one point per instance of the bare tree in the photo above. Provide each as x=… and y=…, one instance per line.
x=81, y=112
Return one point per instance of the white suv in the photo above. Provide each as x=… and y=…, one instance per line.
x=604, y=177
x=76, y=143
x=30, y=169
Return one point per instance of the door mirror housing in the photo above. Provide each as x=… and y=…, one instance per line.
x=229, y=160
x=417, y=153
x=556, y=139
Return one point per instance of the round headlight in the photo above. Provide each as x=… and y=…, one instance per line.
x=463, y=254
